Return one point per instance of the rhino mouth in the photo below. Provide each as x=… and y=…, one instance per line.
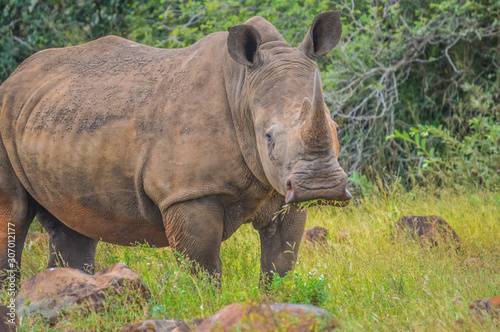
x=301, y=206
x=333, y=202
x=297, y=192
x=321, y=202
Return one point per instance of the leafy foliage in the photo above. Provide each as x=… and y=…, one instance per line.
x=297, y=288
x=362, y=184
x=409, y=63
x=476, y=158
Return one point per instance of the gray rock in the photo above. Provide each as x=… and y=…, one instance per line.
x=427, y=229
x=56, y=290
x=273, y=317
x=315, y=235
x=483, y=308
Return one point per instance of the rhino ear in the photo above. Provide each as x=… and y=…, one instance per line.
x=324, y=34
x=243, y=44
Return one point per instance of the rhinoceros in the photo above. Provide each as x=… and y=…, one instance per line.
x=124, y=143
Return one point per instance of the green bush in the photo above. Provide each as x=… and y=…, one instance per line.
x=474, y=159
x=28, y=26
x=299, y=288
x=407, y=63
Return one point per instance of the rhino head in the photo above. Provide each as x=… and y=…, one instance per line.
x=295, y=136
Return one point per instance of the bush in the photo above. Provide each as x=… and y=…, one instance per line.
x=474, y=159
x=408, y=63
x=298, y=288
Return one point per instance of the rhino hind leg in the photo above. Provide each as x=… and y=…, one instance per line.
x=194, y=229
x=16, y=214
x=68, y=248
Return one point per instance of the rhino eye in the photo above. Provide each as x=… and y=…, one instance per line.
x=270, y=143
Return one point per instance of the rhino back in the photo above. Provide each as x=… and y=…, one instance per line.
x=112, y=131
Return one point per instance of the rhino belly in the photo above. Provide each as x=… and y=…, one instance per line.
x=90, y=180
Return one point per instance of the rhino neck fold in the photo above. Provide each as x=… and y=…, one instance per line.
x=238, y=99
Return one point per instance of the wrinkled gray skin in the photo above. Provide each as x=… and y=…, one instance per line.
x=125, y=143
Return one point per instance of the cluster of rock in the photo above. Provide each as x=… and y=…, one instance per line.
x=428, y=230
x=55, y=291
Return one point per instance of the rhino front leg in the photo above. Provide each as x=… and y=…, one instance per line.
x=280, y=241
x=194, y=228
x=68, y=248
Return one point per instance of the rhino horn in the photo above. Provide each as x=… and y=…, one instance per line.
x=315, y=131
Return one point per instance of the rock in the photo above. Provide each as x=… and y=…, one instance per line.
x=427, y=229
x=158, y=326
x=36, y=239
x=315, y=235
x=278, y=316
x=482, y=308
x=473, y=262
x=58, y=289
x=8, y=318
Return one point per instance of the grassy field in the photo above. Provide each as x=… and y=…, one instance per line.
x=369, y=281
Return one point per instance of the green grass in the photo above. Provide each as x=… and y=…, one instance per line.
x=369, y=281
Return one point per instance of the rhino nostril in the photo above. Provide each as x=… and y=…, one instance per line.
x=290, y=195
